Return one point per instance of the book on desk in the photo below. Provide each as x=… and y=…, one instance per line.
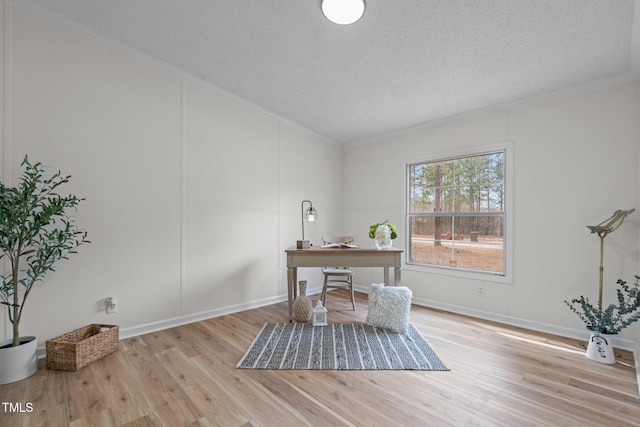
x=339, y=245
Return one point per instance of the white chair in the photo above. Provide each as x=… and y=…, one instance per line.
x=338, y=277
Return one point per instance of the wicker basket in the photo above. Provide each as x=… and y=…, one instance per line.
x=75, y=350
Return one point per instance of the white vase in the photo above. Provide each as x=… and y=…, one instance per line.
x=383, y=237
x=17, y=363
x=600, y=348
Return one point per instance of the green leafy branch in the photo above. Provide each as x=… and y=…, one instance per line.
x=614, y=318
x=34, y=229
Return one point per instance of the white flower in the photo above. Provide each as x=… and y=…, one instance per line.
x=383, y=232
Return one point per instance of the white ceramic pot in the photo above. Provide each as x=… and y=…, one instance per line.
x=17, y=363
x=600, y=349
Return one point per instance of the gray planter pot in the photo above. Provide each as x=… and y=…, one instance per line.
x=17, y=363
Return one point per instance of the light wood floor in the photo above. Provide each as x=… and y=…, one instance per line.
x=186, y=376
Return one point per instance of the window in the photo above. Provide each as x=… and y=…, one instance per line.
x=458, y=213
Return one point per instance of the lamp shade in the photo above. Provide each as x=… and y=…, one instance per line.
x=311, y=214
x=343, y=12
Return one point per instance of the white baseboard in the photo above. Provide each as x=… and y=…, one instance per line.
x=135, y=331
x=147, y=328
x=195, y=317
x=579, y=334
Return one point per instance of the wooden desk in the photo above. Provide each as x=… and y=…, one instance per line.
x=317, y=256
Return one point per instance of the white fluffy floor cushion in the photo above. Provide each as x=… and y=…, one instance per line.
x=389, y=307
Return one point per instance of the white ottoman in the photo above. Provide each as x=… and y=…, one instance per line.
x=389, y=307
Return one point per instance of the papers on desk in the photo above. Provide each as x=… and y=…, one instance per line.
x=339, y=245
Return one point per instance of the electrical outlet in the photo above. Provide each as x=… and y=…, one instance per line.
x=480, y=291
x=111, y=305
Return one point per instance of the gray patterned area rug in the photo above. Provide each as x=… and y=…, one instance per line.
x=343, y=346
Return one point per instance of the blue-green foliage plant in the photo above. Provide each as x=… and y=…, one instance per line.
x=615, y=317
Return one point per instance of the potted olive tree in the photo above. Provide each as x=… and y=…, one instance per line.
x=35, y=234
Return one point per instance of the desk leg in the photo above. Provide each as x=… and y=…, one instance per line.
x=396, y=274
x=292, y=278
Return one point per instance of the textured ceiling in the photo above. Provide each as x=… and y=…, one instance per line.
x=405, y=63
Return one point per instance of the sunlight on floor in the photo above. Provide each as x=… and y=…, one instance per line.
x=557, y=347
x=542, y=344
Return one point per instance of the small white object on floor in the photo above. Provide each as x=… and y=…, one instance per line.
x=319, y=317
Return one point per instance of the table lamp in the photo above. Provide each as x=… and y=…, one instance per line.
x=310, y=215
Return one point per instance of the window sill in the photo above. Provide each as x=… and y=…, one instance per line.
x=454, y=272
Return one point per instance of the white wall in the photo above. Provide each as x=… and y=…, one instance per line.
x=576, y=162
x=192, y=196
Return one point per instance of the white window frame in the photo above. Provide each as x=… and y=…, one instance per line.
x=507, y=275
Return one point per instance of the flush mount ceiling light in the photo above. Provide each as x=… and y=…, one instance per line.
x=343, y=12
